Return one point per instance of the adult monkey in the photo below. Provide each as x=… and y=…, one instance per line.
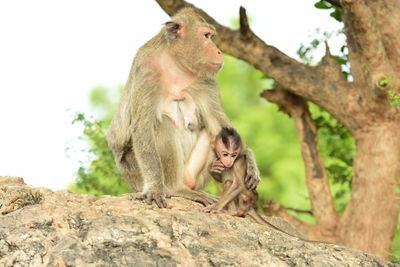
x=170, y=96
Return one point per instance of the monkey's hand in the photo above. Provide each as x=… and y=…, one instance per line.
x=216, y=169
x=156, y=196
x=252, y=173
x=252, y=178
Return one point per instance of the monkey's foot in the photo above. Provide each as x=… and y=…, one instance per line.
x=158, y=197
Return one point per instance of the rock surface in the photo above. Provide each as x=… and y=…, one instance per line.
x=39, y=227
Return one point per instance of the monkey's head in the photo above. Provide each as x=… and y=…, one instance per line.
x=228, y=146
x=190, y=42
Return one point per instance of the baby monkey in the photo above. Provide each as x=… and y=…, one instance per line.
x=229, y=168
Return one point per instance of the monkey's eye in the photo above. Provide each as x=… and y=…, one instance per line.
x=208, y=35
x=225, y=154
x=234, y=155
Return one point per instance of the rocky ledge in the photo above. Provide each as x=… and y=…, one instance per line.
x=40, y=227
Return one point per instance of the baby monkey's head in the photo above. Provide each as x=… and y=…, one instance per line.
x=228, y=146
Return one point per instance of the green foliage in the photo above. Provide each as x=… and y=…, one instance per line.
x=98, y=174
x=323, y=5
x=394, y=98
x=384, y=81
x=104, y=102
x=326, y=5
x=306, y=51
x=395, y=257
x=337, y=149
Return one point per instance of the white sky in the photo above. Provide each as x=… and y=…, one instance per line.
x=53, y=52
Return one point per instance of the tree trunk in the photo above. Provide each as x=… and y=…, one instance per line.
x=369, y=222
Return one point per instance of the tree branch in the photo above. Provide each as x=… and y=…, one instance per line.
x=387, y=16
x=319, y=84
x=317, y=180
x=244, y=24
x=367, y=55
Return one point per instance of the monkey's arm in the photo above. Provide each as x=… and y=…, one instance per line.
x=252, y=173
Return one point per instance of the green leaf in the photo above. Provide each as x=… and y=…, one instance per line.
x=322, y=5
x=340, y=60
x=336, y=14
x=78, y=118
x=383, y=82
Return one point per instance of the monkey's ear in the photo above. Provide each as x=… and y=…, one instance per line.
x=174, y=30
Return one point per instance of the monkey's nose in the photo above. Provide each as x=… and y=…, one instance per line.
x=228, y=164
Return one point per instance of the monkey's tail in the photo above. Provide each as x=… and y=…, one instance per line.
x=257, y=217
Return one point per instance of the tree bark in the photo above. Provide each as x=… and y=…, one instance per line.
x=370, y=219
x=372, y=29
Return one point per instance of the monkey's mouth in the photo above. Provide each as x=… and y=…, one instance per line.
x=227, y=167
x=216, y=65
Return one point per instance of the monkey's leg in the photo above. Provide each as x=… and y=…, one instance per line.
x=236, y=175
x=231, y=207
x=225, y=199
x=230, y=194
x=128, y=167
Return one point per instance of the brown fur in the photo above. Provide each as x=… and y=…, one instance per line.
x=171, y=83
